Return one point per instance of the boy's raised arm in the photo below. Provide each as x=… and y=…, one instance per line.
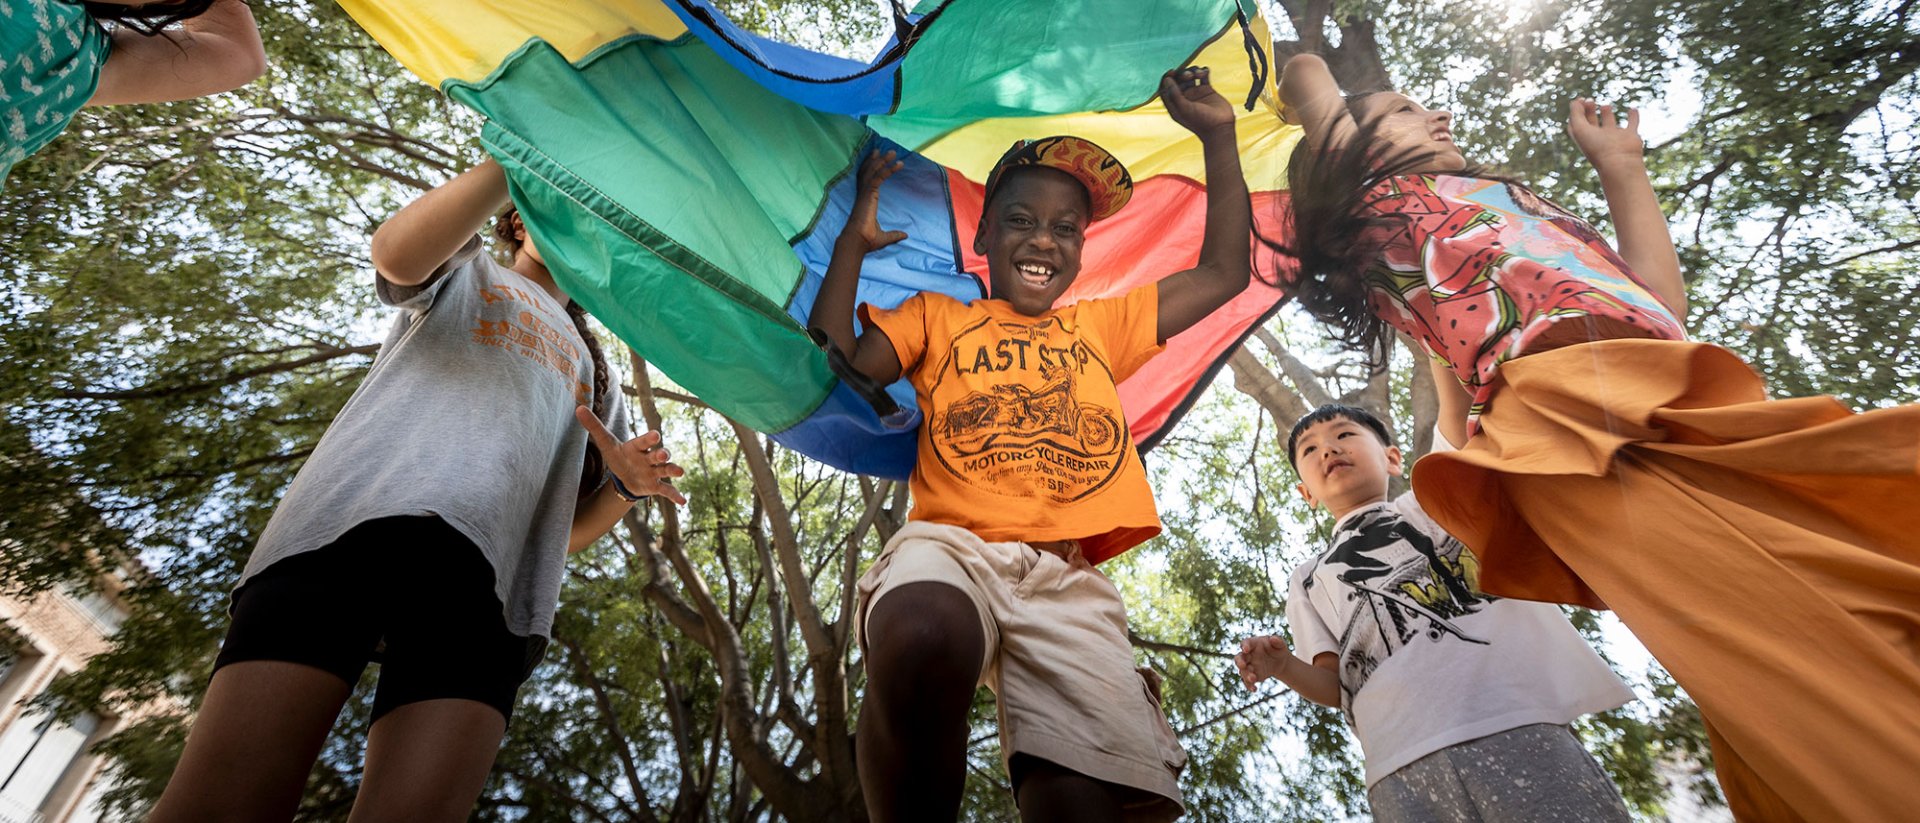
x=1226, y=248
x=872, y=353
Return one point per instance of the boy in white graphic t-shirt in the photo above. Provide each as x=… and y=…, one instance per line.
x=1460, y=699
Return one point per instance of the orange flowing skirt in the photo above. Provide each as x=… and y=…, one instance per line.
x=1767, y=552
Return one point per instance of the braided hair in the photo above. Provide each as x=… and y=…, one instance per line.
x=593, y=470
x=147, y=18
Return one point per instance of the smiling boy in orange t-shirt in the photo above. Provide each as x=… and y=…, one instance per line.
x=1026, y=477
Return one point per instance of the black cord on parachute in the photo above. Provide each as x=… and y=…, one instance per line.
x=1256, y=57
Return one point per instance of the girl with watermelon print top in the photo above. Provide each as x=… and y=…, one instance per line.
x=1606, y=461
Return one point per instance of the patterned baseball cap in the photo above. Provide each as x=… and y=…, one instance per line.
x=1109, y=186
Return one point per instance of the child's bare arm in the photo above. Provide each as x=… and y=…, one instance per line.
x=217, y=51
x=871, y=353
x=643, y=466
x=1186, y=297
x=426, y=232
x=1617, y=153
x=1454, y=400
x=1266, y=657
x=1312, y=100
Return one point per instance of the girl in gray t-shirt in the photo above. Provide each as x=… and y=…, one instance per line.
x=428, y=531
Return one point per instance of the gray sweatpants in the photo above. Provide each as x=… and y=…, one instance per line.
x=1532, y=773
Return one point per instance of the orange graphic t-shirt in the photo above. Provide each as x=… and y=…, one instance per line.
x=1023, y=437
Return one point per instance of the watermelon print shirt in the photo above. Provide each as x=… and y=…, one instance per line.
x=1485, y=271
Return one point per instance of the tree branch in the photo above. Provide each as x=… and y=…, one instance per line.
x=152, y=390
x=849, y=580
x=1173, y=648
x=1231, y=713
x=1906, y=60
x=554, y=790
x=825, y=658
x=783, y=674
x=745, y=727
x=1303, y=379
x=611, y=720
x=813, y=628
x=1253, y=379
x=677, y=397
x=264, y=460
x=1871, y=252
x=1424, y=404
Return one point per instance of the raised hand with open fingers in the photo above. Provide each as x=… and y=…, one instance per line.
x=1601, y=135
x=863, y=224
x=641, y=465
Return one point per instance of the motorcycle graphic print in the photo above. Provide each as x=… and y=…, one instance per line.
x=1019, y=419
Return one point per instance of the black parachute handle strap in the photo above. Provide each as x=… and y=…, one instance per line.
x=1257, y=64
x=868, y=388
x=906, y=33
x=903, y=31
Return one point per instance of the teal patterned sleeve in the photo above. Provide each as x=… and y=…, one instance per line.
x=53, y=52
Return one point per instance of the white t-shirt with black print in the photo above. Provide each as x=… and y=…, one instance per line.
x=1426, y=659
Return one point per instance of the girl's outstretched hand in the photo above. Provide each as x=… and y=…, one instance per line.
x=1191, y=101
x=863, y=225
x=1602, y=137
x=1261, y=658
x=642, y=464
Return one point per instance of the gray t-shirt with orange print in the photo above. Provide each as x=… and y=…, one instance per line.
x=467, y=414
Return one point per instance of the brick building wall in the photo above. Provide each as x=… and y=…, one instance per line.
x=47, y=771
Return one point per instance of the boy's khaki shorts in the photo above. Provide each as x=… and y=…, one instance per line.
x=1057, y=657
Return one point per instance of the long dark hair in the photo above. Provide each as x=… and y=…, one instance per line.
x=1335, y=239
x=147, y=18
x=593, y=470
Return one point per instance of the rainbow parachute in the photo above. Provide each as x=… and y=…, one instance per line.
x=685, y=179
